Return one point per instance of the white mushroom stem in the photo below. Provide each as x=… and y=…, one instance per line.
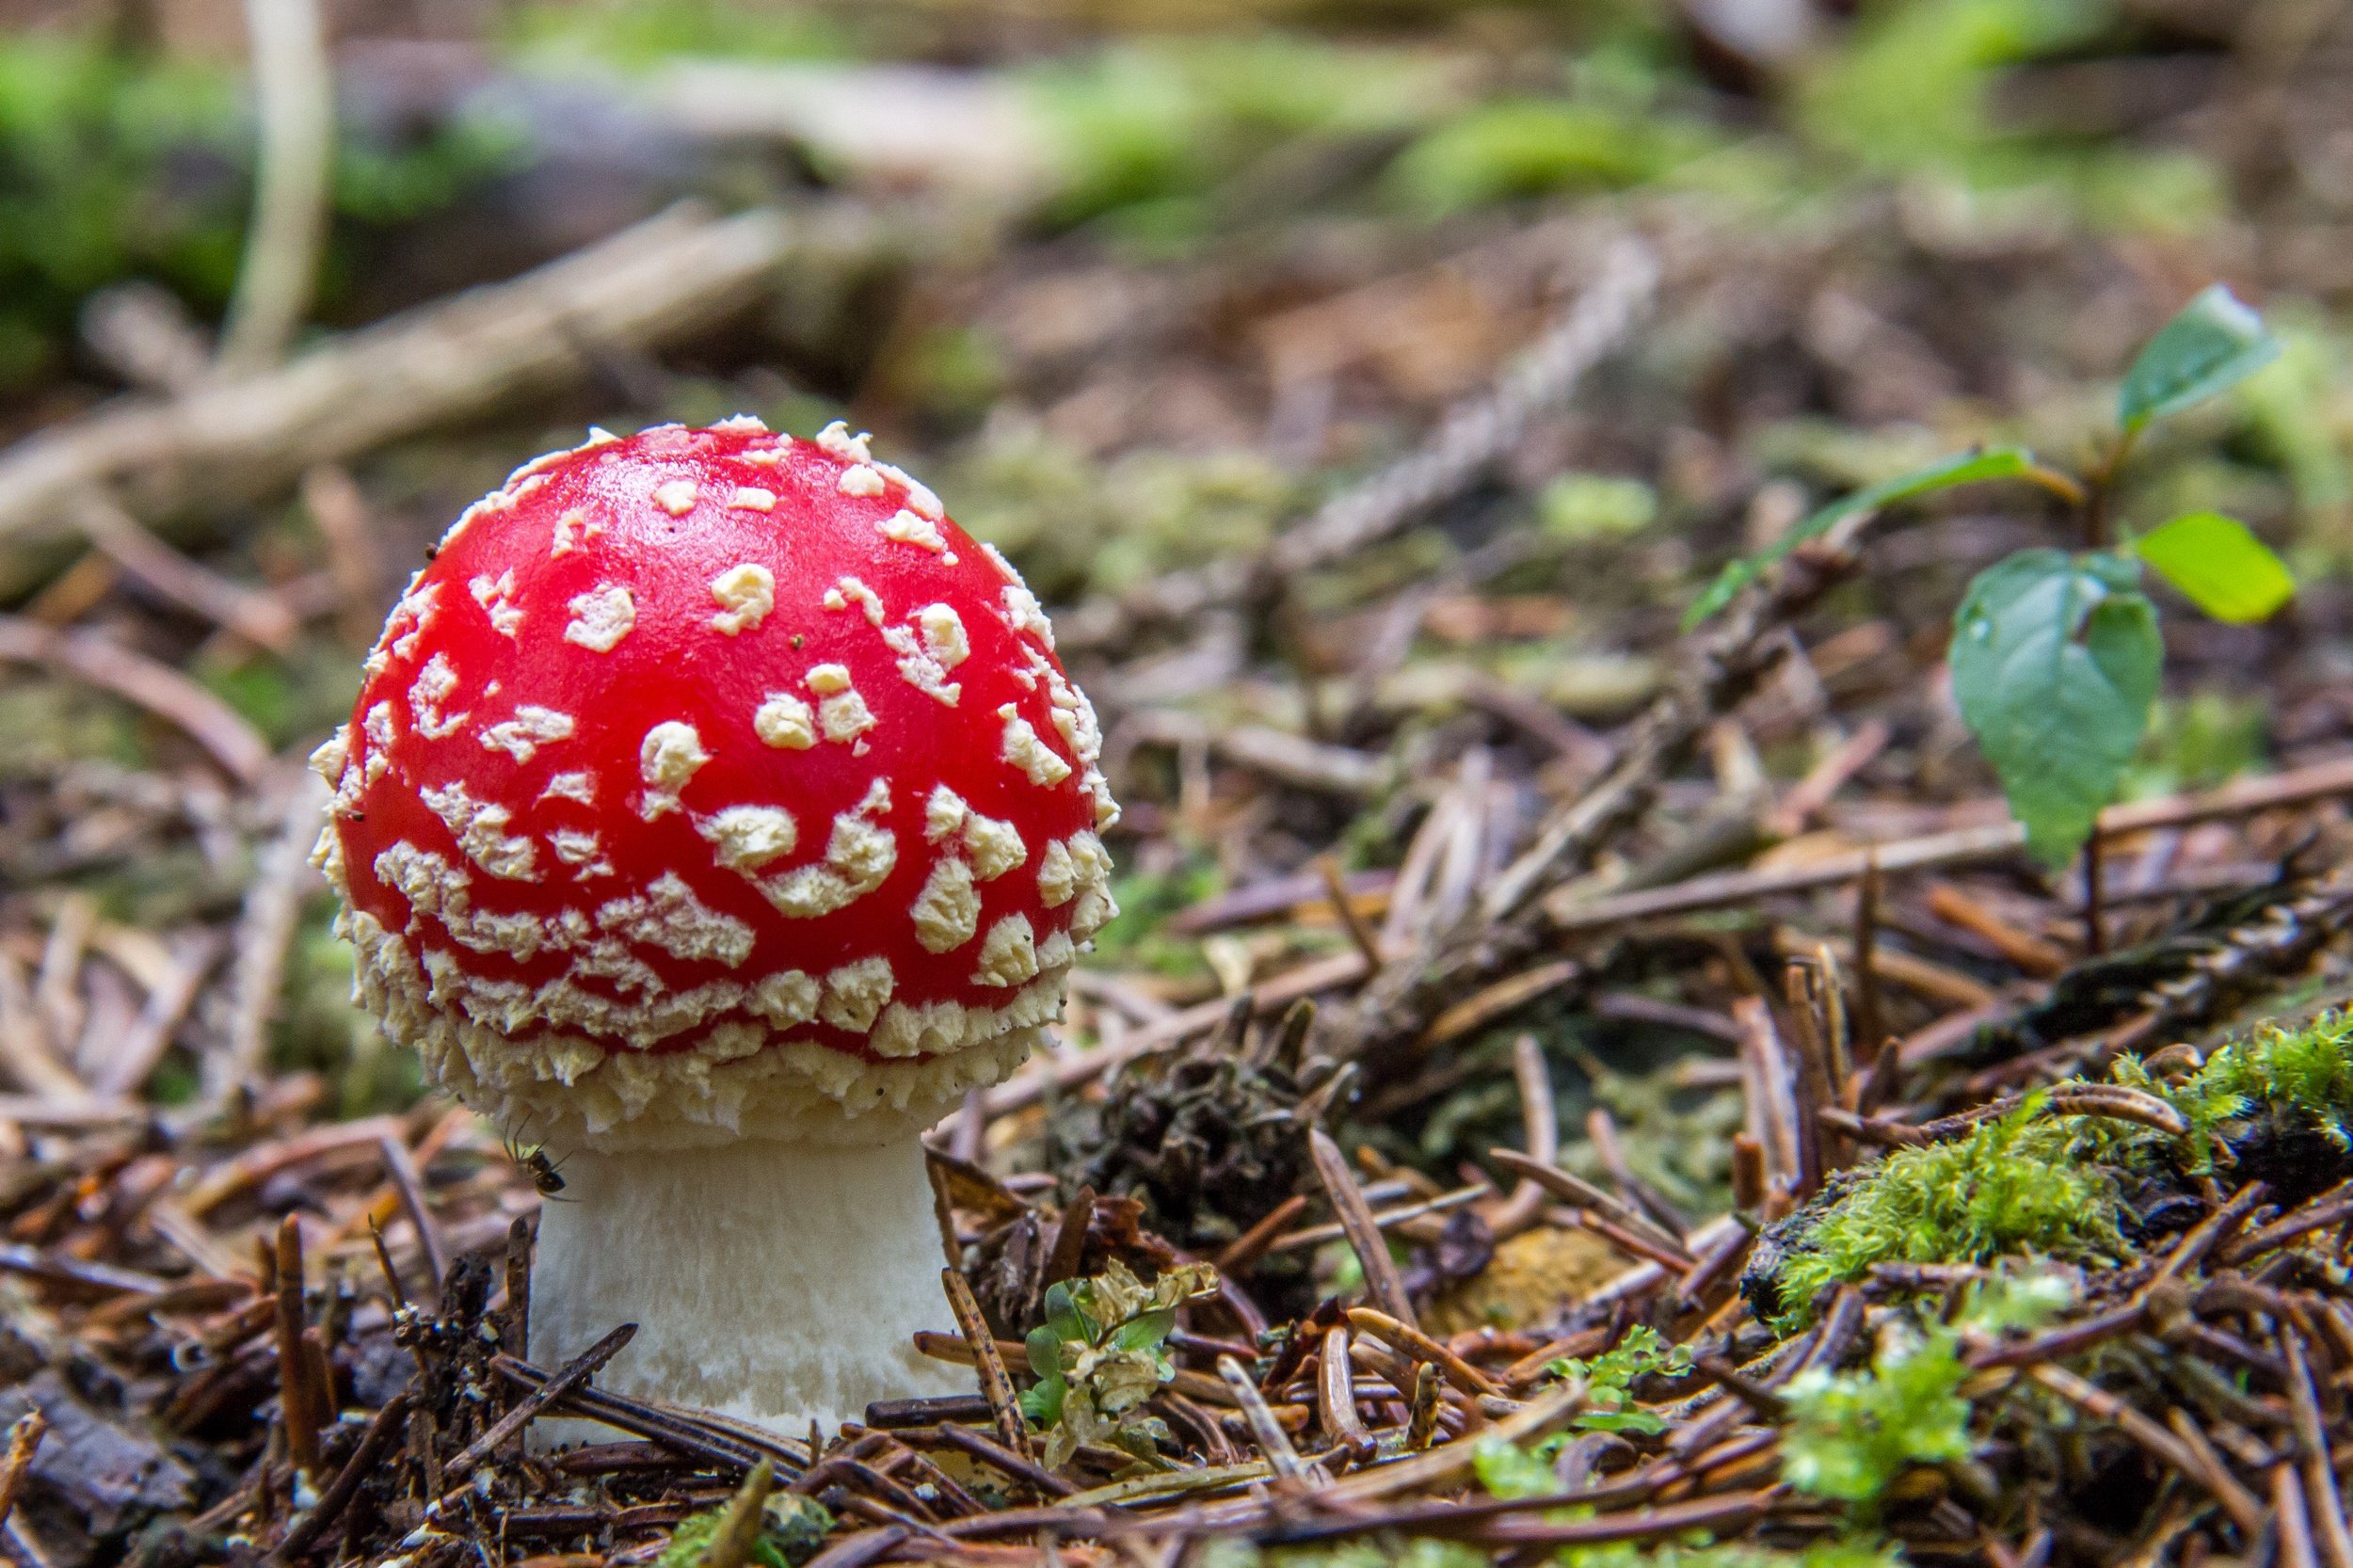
x=779, y=1283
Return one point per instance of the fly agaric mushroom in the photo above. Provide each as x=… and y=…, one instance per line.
x=715, y=813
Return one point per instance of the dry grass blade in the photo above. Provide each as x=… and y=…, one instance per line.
x=1011, y=1429
x=1382, y=1279
x=25, y=1439
x=739, y=1527
x=1273, y=1440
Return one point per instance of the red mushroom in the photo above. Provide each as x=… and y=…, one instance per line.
x=716, y=813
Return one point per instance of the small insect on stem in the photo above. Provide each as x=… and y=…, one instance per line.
x=546, y=1175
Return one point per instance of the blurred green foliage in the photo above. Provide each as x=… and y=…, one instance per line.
x=638, y=33
x=88, y=190
x=1149, y=130
x=1528, y=147
x=2197, y=742
x=1079, y=525
x=51, y=723
x=1853, y=1434
x=1912, y=87
x=1914, y=81
x=1580, y=508
x=114, y=165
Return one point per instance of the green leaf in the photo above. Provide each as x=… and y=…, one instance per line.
x=2212, y=345
x=1045, y=1347
x=1962, y=467
x=1622, y=1420
x=1043, y=1403
x=1512, y=1472
x=1064, y=1317
x=1145, y=1332
x=2055, y=663
x=2219, y=566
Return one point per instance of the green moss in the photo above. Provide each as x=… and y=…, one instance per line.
x=2021, y=1184
x=2048, y=1185
x=1147, y=130
x=640, y=34
x=2305, y=1072
x=1851, y=1434
x=116, y=164
x=1535, y=146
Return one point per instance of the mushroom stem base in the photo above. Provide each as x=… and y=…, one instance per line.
x=779, y=1283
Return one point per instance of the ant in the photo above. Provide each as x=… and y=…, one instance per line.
x=546, y=1175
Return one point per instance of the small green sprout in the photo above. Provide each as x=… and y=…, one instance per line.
x=1100, y=1354
x=1610, y=1376
x=1853, y=1434
x=2057, y=654
x=792, y=1528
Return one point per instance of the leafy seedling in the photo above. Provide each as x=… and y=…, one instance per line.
x=2056, y=655
x=1100, y=1354
x=1609, y=1378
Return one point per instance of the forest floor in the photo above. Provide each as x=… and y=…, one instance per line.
x=1585, y=1087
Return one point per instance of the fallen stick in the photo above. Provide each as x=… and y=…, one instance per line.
x=163, y=691
x=668, y=276
x=2000, y=842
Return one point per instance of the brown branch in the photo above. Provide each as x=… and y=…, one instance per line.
x=163, y=691
x=219, y=445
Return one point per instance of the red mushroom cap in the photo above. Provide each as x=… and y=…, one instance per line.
x=714, y=783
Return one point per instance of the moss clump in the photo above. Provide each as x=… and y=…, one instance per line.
x=2305, y=1073
x=2020, y=1184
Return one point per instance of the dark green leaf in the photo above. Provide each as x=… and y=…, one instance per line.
x=1064, y=1317
x=2219, y=566
x=1044, y=1348
x=2212, y=345
x=2055, y=663
x=1043, y=1403
x=1145, y=1331
x=1964, y=468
